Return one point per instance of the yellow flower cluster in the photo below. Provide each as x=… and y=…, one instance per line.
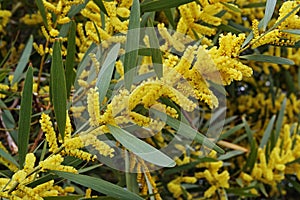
x=278, y=36
x=4, y=19
x=10, y=165
x=3, y=87
x=175, y=188
x=16, y=187
x=70, y=146
x=32, y=19
x=192, y=13
x=272, y=167
x=262, y=105
x=57, y=15
x=217, y=180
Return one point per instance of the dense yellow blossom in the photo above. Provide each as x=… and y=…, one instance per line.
x=93, y=106
x=47, y=128
x=4, y=19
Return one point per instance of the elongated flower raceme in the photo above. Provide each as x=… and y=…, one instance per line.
x=47, y=128
x=93, y=106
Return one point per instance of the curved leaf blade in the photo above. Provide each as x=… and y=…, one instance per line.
x=187, y=131
x=71, y=49
x=42, y=10
x=267, y=132
x=106, y=72
x=269, y=10
x=8, y=157
x=267, y=58
x=150, y=6
x=132, y=44
x=99, y=185
x=141, y=148
x=23, y=61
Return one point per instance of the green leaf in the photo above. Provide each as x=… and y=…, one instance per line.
x=9, y=121
x=267, y=132
x=23, y=61
x=149, y=6
x=76, y=9
x=269, y=10
x=230, y=154
x=71, y=50
x=25, y=116
x=7, y=156
x=279, y=120
x=73, y=197
x=296, y=31
x=156, y=54
x=267, y=58
x=295, y=184
x=191, y=165
x=229, y=28
x=106, y=72
x=42, y=10
x=255, y=5
x=84, y=62
x=253, y=148
x=100, y=4
x=99, y=185
x=248, y=39
x=231, y=131
x=232, y=7
x=169, y=14
x=132, y=44
x=141, y=148
x=187, y=131
x=58, y=88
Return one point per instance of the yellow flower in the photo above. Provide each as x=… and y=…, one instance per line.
x=93, y=106
x=47, y=128
x=32, y=19
x=3, y=88
x=210, y=191
x=54, y=163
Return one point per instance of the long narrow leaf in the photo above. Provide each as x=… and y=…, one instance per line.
x=253, y=148
x=231, y=131
x=8, y=157
x=280, y=120
x=23, y=61
x=25, y=117
x=132, y=44
x=141, y=148
x=100, y=4
x=156, y=54
x=269, y=10
x=42, y=10
x=71, y=50
x=248, y=39
x=267, y=58
x=9, y=121
x=292, y=31
x=267, y=132
x=230, y=154
x=58, y=88
x=187, y=131
x=99, y=185
x=161, y=4
x=106, y=71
